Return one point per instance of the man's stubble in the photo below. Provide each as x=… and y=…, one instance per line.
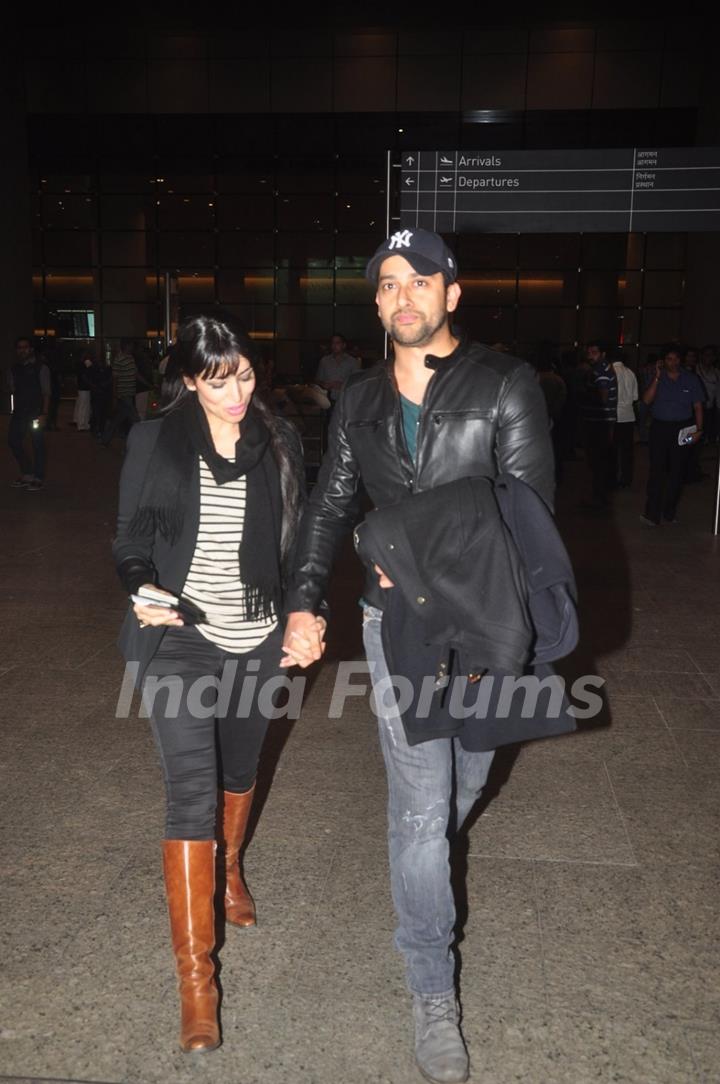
x=419, y=334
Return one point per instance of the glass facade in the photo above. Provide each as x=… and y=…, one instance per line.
x=273, y=218
x=279, y=240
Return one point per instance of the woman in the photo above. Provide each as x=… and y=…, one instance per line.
x=210, y=497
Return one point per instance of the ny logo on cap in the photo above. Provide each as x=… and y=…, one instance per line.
x=401, y=239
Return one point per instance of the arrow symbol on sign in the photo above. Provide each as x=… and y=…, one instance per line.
x=409, y=180
x=409, y=161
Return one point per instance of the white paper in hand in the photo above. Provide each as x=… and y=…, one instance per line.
x=152, y=597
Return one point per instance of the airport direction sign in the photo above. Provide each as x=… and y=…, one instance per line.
x=568, y=191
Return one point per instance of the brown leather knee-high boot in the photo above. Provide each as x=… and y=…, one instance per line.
x=189, y=868
x=239, y=906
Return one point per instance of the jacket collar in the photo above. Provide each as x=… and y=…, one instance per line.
x=434, y=362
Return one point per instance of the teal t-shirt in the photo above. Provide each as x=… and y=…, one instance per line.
x=411, y=419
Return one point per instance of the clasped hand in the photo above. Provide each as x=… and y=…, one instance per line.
x=304, y=641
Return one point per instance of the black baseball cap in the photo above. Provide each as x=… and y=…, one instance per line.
x=426, y=252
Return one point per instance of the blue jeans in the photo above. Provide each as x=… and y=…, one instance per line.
x=420, y=779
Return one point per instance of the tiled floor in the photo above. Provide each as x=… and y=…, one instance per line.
x=590, y=950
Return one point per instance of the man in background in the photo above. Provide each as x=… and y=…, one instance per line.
x=709, y=374
x=598, y=415
x=675, y=397
x=29, y=380
x=624, y=435
x=144, y=381
x=554, y=389
x=124, y=371
x=334, y=368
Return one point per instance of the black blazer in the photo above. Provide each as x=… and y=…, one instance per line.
x=458, y=570
x=151, y=559
x=483, y=585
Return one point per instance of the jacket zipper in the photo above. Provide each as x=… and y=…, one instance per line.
x=399, y=425
x=406, y=458
x=420, y=427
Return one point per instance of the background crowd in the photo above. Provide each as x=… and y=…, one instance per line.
x=599, y=408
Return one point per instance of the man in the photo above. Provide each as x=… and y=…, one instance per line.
x=124, y=371
x=554, y=391
x=690, y=359
x=692, y=470
x=144, y=381
x=440, y=410
x=30, y=389
x=334, y=368
x=624, y=435
x=708, y=372
x=598, y=414
x=675, y=397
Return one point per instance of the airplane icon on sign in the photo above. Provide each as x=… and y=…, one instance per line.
x=446, y=161
x=446, y=180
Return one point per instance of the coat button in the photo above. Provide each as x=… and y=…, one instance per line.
x=421, y=600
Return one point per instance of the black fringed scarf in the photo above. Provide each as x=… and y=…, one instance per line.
x=185, y=435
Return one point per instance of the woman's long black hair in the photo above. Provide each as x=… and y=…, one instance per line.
x=206, y=346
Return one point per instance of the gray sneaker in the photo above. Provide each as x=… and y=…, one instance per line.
x=439, y=1048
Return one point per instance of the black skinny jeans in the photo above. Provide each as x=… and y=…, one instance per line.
x=202, y=742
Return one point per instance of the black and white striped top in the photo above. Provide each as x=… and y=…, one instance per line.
x=214, y=582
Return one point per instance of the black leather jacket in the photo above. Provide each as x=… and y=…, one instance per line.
x=483, y=414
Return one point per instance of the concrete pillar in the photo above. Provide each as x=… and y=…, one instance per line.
x=16, y=312
x=701, y=312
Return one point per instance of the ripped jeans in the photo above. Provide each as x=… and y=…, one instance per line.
x=420, y=792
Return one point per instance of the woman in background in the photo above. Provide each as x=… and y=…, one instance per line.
x=81, y=415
